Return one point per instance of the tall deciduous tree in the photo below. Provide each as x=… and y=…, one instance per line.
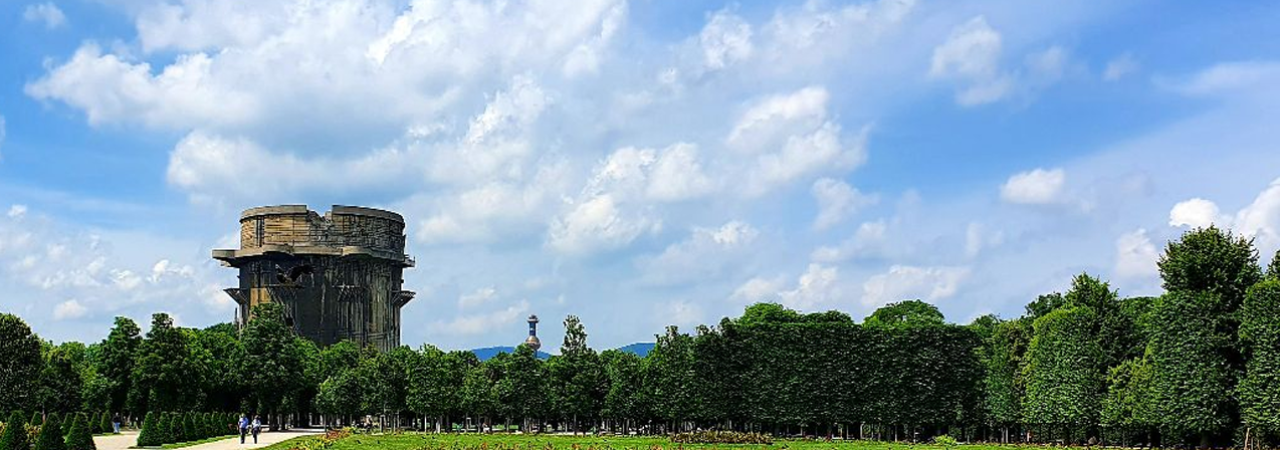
x=579, y=383
x=1260, y=333
x=163, y=372
x=1003, y=386
x=20, y=356
x=1063, y=382
x=669, y=377
x=271, y=366
x=905, y=313
x=116, y=359
x=60, y=384
x=1192, y=383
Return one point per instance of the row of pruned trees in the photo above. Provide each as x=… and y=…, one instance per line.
x=1198, y=364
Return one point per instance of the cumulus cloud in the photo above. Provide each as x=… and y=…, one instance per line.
x=1196, y=213
x=790, y=137
x=478, y=297
x=977, y=238
x=870, y=241
x=837, y=201
x=818, y=287
x=1260, y=219
x=1136, y=256
x=70, y=309
x=598, y=224
x=903, y=282
x=681, y=313
x=486, y=322
x=971, y=56
x=1035, y=187
x=725, y=39
x=46, y=14
x=702, y=256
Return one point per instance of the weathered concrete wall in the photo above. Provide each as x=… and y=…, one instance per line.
x=338, y=276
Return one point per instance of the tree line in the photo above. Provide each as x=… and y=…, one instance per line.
x=1199, y=364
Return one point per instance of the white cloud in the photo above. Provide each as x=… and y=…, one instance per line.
x=977, y=238
x=17, y=211
x=1249, y=78
x=1261, y=219
x=1196, y=213
x=477, y=298
x=971, y=57
x=725, y=39
x=70, y=309
x=911, y=282
x=818, y=287
x=1035, y=187
x=1136, y=256
x=681, y=313
x=702, y=256
x=481, y=323
x=791, y=138
x=838, y=201
x=869, y=242
x=46, y=13
x=1120, y=67
x=597, y=224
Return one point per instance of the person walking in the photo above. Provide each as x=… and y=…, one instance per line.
x=243, y=425
x=115, y=423
x=257, y=428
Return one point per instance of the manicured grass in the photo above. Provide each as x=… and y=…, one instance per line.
x=418, y=441
x=188, y=444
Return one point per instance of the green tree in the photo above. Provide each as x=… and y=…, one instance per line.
x=622, y=404
x=163, y=372
x=342, y=395
x=1273, y=269
x=1127, y=408
x=116, y=359
x=1002, y=383
x=1211, y=260
x=578, y=381
x=522, y=388
x=1063, y=383
x=20, y=354
x=60, y=384
x=51, y=437
x=216, y=351
x=669, y=377
x=478, y=396
x=906, y=313
x=271, y=366
x=14, y=436
x=1260, y=332
x=391, y=380
x=1192, y=382
x=80, y=438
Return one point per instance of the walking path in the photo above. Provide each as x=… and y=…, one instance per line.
x=130, y=438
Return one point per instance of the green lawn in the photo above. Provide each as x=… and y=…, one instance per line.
x=418, y=441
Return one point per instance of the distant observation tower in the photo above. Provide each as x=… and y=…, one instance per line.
x=533, y=341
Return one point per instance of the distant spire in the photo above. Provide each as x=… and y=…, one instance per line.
x=533, y=341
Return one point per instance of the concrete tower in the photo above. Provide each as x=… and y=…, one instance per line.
x=338, y=276
x=532, y=341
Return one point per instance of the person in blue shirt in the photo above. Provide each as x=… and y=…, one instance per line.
x=243, y=425
x=257, y=428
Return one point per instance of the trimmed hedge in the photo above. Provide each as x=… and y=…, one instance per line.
x=81, y=438
x=149, y=436
x=50, y=437
x=721, y=437
x=14, y=436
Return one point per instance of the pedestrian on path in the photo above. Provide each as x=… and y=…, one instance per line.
x=243, y=425
x=257, y=428
x=115, y=423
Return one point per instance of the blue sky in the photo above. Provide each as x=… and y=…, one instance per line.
x=636, y=163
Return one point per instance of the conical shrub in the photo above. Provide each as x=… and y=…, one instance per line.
x=50, y=437
x=147, y=437
x=104, y=423
x=189, y=432
x=36, y=419
x=80, y=437
x=14, y=436
x=66, y=424
x=165, y=426
x=210, y=425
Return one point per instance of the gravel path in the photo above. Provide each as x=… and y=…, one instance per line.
x=129, y=439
